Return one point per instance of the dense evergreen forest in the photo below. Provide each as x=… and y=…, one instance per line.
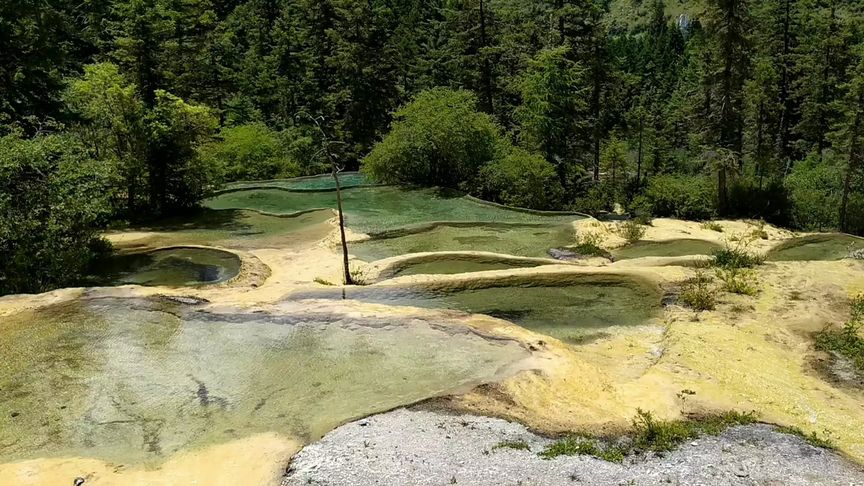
x=118, y=111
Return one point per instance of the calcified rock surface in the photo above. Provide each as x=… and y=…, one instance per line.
x=426, y=448
x=750, y=354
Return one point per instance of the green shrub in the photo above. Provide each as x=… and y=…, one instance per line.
x=520, y=179
x=698, y=293
x=438, y=139
x=253, y=152
x=631, y=231
x=677, y=196
x=53, y=198
x=815, y=188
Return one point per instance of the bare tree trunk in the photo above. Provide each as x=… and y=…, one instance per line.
x=346, y=270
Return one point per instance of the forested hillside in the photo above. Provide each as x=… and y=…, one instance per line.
x=126, y=110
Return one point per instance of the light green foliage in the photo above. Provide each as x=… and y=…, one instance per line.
x=154, y=150
x=520, y=179
x=686, y=197
x=437, y=139
x=178, y=178
x=52, y=198
x=250, y=152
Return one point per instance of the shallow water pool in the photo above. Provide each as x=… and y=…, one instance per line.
x=566, y=307
x=832, y=246
x=136, y=380
x=170, y=267
x=234, y=229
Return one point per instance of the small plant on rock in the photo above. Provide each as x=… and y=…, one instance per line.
x=713, y=226
x=358, y=276
x=736, y=254
x=738, y=280
x=588, y=244
x=698, y=293
x=631, y=231
x=848, y=341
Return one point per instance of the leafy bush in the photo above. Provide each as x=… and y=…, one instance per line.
x=250, y=152
x=52, y=198
x=698, y=293
x=520, y=179
x=631, y=231
x=815, y=189
x=685, y=197
x=439, y=139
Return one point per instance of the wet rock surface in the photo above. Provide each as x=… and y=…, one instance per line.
x=428, y=448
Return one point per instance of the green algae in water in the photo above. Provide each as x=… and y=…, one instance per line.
x=134, y=380
x=171, y=267
x=825, y=247
x=565, y=307
x=670, y=248
x=376, y=209
x=510, y=239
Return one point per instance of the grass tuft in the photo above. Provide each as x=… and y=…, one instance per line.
x=713, y=226
x=847, y=341
x=812, y=438
x=519, y=445
x=648, y=435
x=738, y=280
